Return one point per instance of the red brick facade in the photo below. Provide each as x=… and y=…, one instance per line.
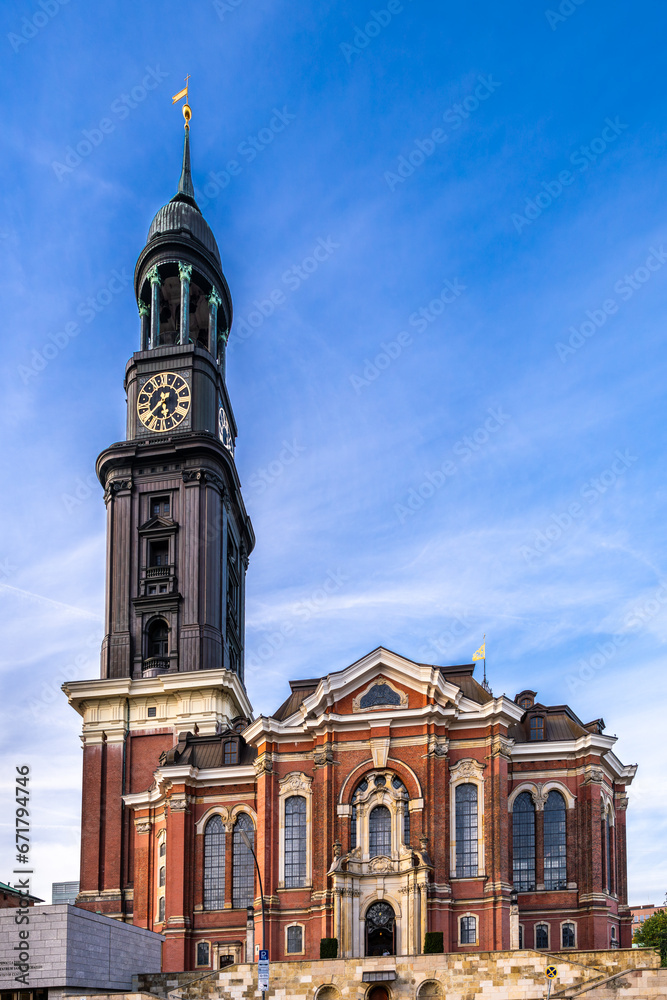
x=437, y=729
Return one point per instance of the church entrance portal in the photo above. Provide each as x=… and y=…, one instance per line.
x=380, y=931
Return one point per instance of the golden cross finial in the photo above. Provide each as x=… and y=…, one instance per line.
x=187, y=110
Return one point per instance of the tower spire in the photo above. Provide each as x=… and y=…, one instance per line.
x=185, y=185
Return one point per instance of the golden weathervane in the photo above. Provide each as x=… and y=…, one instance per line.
x=187, y=110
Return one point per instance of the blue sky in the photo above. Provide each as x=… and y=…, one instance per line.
x=457, y=415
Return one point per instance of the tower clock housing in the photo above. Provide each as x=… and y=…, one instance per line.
x=179, y=535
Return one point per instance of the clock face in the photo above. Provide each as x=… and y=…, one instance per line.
x=224, y=430
x=164, y=401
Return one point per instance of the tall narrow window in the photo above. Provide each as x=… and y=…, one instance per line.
x=520, y=935
x=158, y=638
x=214, y=864
x=523, y=842
x=609, y=853
x=295, y=842
x=466, y=831
x=160, y=909
x=568, y=936
x=468, y=930
x=541, y=935
x=555, y=842
x=203, y=953
x=231, y=755
x=379, y=831
x=353, y=828
x=537, y=728
x=243, y=866
x=404, y=807
x=294, y=939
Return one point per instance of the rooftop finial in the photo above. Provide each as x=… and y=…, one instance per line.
x=185, y=185
x=187, y=110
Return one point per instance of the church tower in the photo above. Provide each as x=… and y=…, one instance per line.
x=178, y=542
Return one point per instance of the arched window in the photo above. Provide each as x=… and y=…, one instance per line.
x=162, y=876
x=568, y=936
x=214, y=864
x=160, y=909
x=379, y=831
x=555, y=842
x=537, y=728
x=466, y=831
x=608, y=852
x=158, y=638
x=295, y=842
x=541, y=935
x=523, y=842
x=468, y=930
x=243, y=866
x=400, y=787
x=294, y=939
x=203, y=953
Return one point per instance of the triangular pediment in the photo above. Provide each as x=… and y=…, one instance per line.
x=158, y=523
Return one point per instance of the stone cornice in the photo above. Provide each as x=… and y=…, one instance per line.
x=80, y=692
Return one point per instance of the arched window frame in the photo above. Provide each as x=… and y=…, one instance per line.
x=547, y=880
x=242, y=811
x=468, y=916
x=296, y=783
x=608, y=846
x=206, y=964
x=513, y=813
x=564, y=924
x=395, y=800
x=217, y=896
x=154, y=623
x=302, y=950
x=537, y=729
x=161, y=862
x=542, y=923
x=467, y=772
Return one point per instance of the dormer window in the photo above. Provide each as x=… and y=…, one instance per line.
x=525, y=703
x=537, y=727
x=231, y=752
x=525, y=699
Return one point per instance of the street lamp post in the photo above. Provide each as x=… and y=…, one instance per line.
x=246, y=841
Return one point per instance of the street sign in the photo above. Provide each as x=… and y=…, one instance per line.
x=551, y=971
x=263, y=971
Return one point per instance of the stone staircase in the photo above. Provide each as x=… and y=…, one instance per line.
x=511, y=975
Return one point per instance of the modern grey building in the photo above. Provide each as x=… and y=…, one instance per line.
x=49, y=952
x=64, y=892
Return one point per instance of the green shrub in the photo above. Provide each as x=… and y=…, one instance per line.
x=653, y=934
x=433, y=943
x=329, y=947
